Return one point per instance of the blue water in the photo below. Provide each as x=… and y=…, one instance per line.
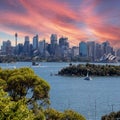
x=90, y=98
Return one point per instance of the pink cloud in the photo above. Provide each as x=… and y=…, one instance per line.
x=45, y=17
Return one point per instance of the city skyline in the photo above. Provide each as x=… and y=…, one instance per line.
x=79, y=20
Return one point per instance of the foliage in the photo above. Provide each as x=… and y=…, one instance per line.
x=11, y=110
x=72, y=115
x=19, y=82
x=111, y=116
x=17, y=104
x=94, y=70
x=52, y=114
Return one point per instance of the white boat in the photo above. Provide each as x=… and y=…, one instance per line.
x=87, y=77
x=35, y=64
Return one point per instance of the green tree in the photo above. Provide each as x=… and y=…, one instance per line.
x=52, y=114
x=11, y=110
x=72, y=115
x=26, y=91
x=23, y=83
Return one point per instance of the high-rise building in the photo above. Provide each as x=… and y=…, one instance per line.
x=98, y=51
x=83, y=50
x=107, y=49
x=53, y=40
x=26, y=46
x=91, y=50
x=75, y=51
x=64, y=46
x=35, y=42
x=20, y=49
x=63, y=42
x=118, y=53
x=6, y=47
x=41, y=47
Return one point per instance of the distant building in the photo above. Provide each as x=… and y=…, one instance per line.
x=20, y=49
x=118, y=53
x=42, y=47
x=107, y=48
x=64, y=46
x=75, y=51
x=53, y=41
x=26, y=47
x=83, y=49
x=98, y=51
x=6, y=47
x=91, y=50
x=35, y=42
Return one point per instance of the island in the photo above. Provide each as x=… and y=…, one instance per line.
x=93, y=69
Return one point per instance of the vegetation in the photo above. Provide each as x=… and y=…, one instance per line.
x=19, y=82
x=112, y=116
x=21, y=58
x=94, y=70
x=25, y=96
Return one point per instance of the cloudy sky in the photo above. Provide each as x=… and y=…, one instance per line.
x=78, y=20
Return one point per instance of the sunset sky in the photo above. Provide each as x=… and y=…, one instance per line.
x=79, y=20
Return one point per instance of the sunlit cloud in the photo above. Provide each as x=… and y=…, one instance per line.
x=78, y=20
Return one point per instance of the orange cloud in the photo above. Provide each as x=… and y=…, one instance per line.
x=44, y=17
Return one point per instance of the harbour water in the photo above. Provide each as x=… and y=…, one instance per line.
x=93, y=98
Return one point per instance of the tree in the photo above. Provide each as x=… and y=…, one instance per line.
x=28, y=94
x=52, y=114
x=11, y=110
x=23, y=83
x=111, y=116
x=72, y=115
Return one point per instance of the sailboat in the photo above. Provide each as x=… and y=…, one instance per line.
x=87, y=77
x=34, y=61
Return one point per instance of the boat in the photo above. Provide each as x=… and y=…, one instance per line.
x=87, y=77
x=35, y=64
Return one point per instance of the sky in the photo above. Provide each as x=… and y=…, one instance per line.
x=79, y=20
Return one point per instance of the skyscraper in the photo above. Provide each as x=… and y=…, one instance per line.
x=91, y=50
x=26, y=46
x=35, y=42
x=53, y=40
x=6, y=47
x=42, y=47
x=83, y=50
x=63, y=42
x=75, y=51
x=64, y=46
x=107, y=49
